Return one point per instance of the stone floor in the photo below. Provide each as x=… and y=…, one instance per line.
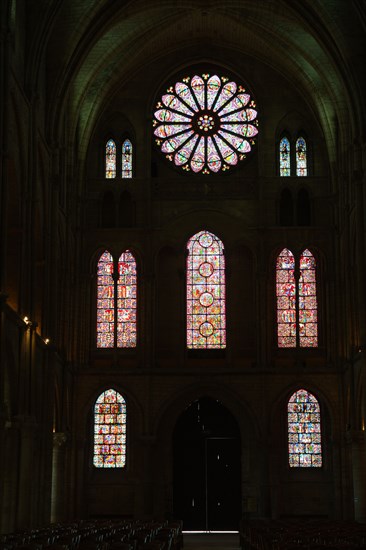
x=211, y=540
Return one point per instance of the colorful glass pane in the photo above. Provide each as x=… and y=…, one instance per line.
x=308, y=320
x=304, y=432
x=285, y=162
x=286, y=299
x=110, y=430
x=189, y=118
x=301, y=157
x=110, y=159
x=206, y=322
x=126, y=301
x=127, y=159
x=105, y=302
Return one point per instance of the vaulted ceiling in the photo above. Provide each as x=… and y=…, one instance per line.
x=92, y=48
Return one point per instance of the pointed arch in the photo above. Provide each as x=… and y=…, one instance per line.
x=304, y=430
x=286, y=299
x=126, y=301
x=285, y=157
x=110, y=159
x=303, y=208
x=110, y=422
x=108, y=210
x=127, y=159
x=206, y=294
x=308, y=308
x=286, y=208
x=301, y=157
x=105, y=301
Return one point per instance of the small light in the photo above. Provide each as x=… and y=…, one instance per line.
x=26, y=320
x=46, y=340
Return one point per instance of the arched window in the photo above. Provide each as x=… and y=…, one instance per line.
x=301, y=157
x=206, y=323
x=304, y=431
x=308, y=318
x=105, y=301
x=205, y=123
x=108, y=210
x=116, y=302
x=286, y=208
x=127, y=159
x=110, y=159
x=297, y=320
x=285, y=159
x=109, y=430
x=286, y=299
x=126, y=301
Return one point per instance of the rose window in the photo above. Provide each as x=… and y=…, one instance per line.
x=205, y=124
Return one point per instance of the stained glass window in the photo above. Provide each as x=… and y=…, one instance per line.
x=285, y=159
x=109, y=430
x=205, y=123
x=297, y=320
x=286, y=299
x=308, y=321
x=110, y=159
x=206, y=323
x=127, y=159
x=126, y=301
x=304, y=433
x=301, y=157
x=105, y=302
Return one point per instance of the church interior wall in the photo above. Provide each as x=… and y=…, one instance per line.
x=58, y=214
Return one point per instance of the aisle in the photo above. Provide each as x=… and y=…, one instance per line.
x=212, y=540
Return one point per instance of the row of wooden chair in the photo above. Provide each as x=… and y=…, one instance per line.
x=98, y=535
x=302, y=534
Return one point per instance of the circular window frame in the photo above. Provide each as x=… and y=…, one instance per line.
x=205, y=123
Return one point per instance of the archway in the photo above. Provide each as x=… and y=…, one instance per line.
x=207, y=467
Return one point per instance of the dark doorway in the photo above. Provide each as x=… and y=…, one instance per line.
x=207, y=481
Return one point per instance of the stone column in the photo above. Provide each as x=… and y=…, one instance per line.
x=58, y=501
x=359, y=474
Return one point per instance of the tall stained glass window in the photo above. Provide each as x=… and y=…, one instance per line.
x=206, y=323
x=304, y=431
x=116, y=300
x=110, y=159
x=296, y=293
x=105, y=301
x=205, y=123
x=286, y=299
x=285, y=159
x=109, y=430
x=301, y=157
x=127, y=159
x=308, y=319
x=126, y=301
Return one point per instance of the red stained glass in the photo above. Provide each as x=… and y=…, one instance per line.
x=286, y=299
x=206, y=321
x=297, y=319
x=105, y=302
x=126, y=301
x=109, y=452
x=205, y=124
x=304, y=431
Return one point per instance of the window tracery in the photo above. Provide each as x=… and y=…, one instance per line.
x=296, y=292
x=304, y=431
x=206, y=319
x=117, y=301
x=205, y=123
x=110, y=430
